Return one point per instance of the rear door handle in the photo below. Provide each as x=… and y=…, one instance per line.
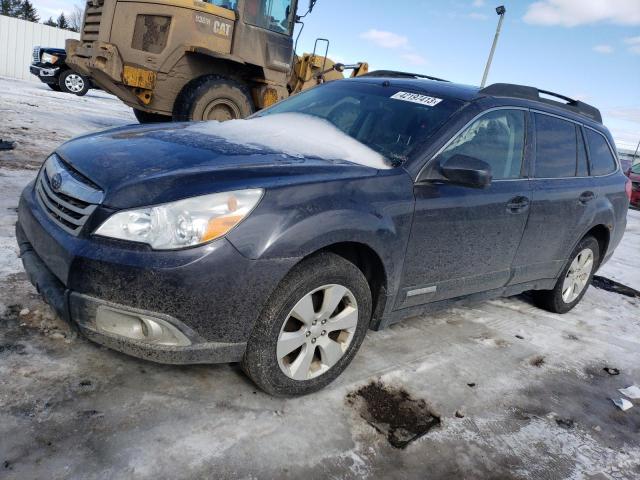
x=518, y=204
x=586, y=197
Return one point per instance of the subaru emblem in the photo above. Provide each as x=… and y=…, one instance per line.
x=56, y=182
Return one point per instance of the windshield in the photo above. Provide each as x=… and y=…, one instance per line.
x=274, y=15
x=230, y=4
x=636, y=168
x=389, y=120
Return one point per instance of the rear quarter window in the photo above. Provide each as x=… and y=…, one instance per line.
x=602, y=160
x=556, y=147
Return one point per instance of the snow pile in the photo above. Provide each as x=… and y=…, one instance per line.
x=294, y=134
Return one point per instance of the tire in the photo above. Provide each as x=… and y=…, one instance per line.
x=53, y=86
x=554, y=300
x=331, y=351
x=148, y=117
x=212, y=97
x=72, y=82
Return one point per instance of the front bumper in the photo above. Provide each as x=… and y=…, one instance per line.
x=102, y=62
x=79, y=311
x=45, y=74
x=635, y=195
x=211, y=294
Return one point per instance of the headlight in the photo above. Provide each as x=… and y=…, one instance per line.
x=48, y=58
x=184, y=223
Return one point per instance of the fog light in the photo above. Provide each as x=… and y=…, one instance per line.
x=139, y=327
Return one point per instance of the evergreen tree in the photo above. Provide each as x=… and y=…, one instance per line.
x=10, y=8
x=51, y=22
x=28, y=12
x=62, y=21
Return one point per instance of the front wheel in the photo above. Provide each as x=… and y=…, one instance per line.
x=574, y=279
x=213, y=97
x=72, y=82
x=311, y=328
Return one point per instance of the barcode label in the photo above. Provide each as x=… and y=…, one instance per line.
x=417, y=98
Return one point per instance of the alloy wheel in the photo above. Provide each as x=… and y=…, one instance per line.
x=317, y=332
x=577, y=276
x=74, y=83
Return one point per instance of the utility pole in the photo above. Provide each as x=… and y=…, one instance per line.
x=500, y=11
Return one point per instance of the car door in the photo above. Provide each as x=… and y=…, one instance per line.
x=562, y=193
x=464, y=239
x=263, y=37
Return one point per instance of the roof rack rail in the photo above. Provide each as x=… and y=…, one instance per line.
x=395, y=74
x=532, y=93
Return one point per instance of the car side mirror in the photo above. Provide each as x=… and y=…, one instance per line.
x=467, y=171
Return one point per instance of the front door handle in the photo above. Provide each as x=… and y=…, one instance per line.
x=586, y=197
x=518, y=204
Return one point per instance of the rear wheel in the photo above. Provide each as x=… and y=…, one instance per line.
x=148, y=117
x=213, y=98
x=311, y=328
x=574, y=279
x=72, y=82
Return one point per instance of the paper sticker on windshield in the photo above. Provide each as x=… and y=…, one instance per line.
x=417, y=98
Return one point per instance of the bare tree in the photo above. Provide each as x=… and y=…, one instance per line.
x=75, y=18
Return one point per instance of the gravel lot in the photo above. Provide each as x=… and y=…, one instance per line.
x=509, y=391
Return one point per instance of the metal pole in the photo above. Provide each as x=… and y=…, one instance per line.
x=635, y=153
x=501, y=11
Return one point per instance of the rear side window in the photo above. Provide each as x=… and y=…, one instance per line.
x=602, y=161
x=556, y=147
x=497, y=138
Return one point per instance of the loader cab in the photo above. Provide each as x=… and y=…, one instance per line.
x=263, y=34
x=274, y=15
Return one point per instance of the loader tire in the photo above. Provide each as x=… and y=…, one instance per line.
x=148, y=117
x=213, y=97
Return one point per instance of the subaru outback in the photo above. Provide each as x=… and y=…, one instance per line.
x=279, y=240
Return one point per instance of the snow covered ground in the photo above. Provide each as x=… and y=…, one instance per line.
x=529, y=387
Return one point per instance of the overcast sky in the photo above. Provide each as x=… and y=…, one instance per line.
x=587, y=49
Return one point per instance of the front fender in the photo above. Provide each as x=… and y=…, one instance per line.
x=299, y=220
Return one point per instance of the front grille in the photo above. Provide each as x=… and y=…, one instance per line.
x=68, y=211
x=92, y=17
x=36, y=55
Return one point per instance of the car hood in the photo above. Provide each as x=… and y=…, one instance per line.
x=146, y=165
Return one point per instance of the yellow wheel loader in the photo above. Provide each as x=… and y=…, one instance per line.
x=198, y=60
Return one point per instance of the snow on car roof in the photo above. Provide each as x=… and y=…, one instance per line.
x=294, y=134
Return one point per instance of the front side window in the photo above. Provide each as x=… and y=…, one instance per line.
x=497, y=138
x=274, y=15
x=556, y=147
x=602, y=161
x=383, y=118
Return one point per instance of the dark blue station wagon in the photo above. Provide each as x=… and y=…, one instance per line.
x=278, y=241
